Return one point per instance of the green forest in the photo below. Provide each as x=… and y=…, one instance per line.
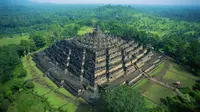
x=26, y=29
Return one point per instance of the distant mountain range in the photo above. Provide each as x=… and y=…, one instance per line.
x=14, y=2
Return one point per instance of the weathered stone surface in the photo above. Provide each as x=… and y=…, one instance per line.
x=95, y=59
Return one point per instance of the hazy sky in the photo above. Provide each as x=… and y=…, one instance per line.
x=166, y=2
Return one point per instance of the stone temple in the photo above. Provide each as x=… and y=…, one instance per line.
x=83, y=65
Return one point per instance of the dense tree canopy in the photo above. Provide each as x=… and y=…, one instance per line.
x=39, y=40
x=27, y=46
x=121, y=99
x=9, y=58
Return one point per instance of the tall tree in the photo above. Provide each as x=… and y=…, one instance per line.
x=121, y=98
x=9, y=58
x=38, y=39
x=26, y=47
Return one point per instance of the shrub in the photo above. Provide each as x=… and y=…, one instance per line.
x=29, y=85
x=4, y=105
x=23, y=74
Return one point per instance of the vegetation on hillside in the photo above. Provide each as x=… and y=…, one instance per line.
x=26, y=29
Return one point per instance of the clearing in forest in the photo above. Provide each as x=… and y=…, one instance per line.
x=85, y=29
x=15, y=40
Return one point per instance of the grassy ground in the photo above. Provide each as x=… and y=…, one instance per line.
x=27, y=66
x=158, y=69
x=55, y=100
x=142, y=87
x=178, y=73
x=26, y=102
x=84, y=30
x=45, y=87
x=168, y=72
x=14, y=40
x=141, y=84
x=150, y=104
x=155, y=92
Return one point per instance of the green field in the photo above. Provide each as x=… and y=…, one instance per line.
x=149, y=103
x=84, y=30
x=155, y=92
x=15, y=40
x=168, y=72
x=178, y=73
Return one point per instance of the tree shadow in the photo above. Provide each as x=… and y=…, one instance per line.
x=83, y=107
x=198, y=81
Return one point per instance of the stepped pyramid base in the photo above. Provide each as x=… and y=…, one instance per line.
x=84, y=64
